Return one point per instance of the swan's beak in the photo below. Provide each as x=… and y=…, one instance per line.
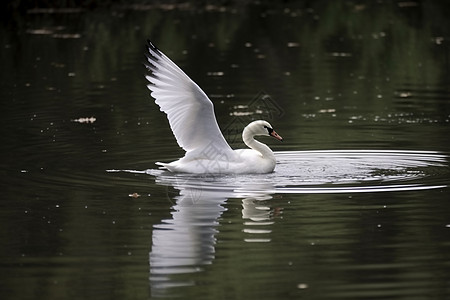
x=275, y=135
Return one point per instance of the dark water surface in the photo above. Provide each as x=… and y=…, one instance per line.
x=357, y=208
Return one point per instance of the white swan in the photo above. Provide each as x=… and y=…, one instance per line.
x=192, y=120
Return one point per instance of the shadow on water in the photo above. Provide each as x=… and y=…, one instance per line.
x=185, y=243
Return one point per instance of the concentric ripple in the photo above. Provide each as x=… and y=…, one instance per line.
x=332, y=171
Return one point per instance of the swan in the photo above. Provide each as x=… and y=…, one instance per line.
x=191, y=117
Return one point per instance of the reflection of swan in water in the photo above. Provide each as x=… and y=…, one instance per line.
x=186, y=243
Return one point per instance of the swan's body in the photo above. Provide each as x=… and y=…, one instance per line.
x=192, y=120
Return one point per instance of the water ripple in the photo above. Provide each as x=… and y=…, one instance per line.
x=199, y=202
x=330, y=171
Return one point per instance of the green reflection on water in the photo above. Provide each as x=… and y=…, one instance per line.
x=345, y=74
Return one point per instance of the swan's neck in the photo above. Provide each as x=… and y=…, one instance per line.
x=249, y=140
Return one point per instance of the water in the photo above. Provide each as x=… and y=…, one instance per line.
x=357, y=207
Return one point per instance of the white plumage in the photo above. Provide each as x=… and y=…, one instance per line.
x=194, y=125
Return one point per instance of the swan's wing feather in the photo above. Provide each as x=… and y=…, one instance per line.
x=189, y=110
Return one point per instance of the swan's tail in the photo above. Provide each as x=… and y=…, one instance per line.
x=166, y=166
x=163, y=166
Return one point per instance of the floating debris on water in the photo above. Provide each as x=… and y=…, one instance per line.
x=85, y=120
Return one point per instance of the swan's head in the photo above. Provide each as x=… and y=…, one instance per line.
x=261, y=127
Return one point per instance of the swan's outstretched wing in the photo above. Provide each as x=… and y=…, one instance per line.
x=189, y=110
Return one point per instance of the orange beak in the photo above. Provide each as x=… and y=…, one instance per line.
x=275, y=135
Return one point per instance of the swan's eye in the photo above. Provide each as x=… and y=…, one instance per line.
x=270, y=130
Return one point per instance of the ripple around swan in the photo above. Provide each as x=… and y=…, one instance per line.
x=330, y=171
